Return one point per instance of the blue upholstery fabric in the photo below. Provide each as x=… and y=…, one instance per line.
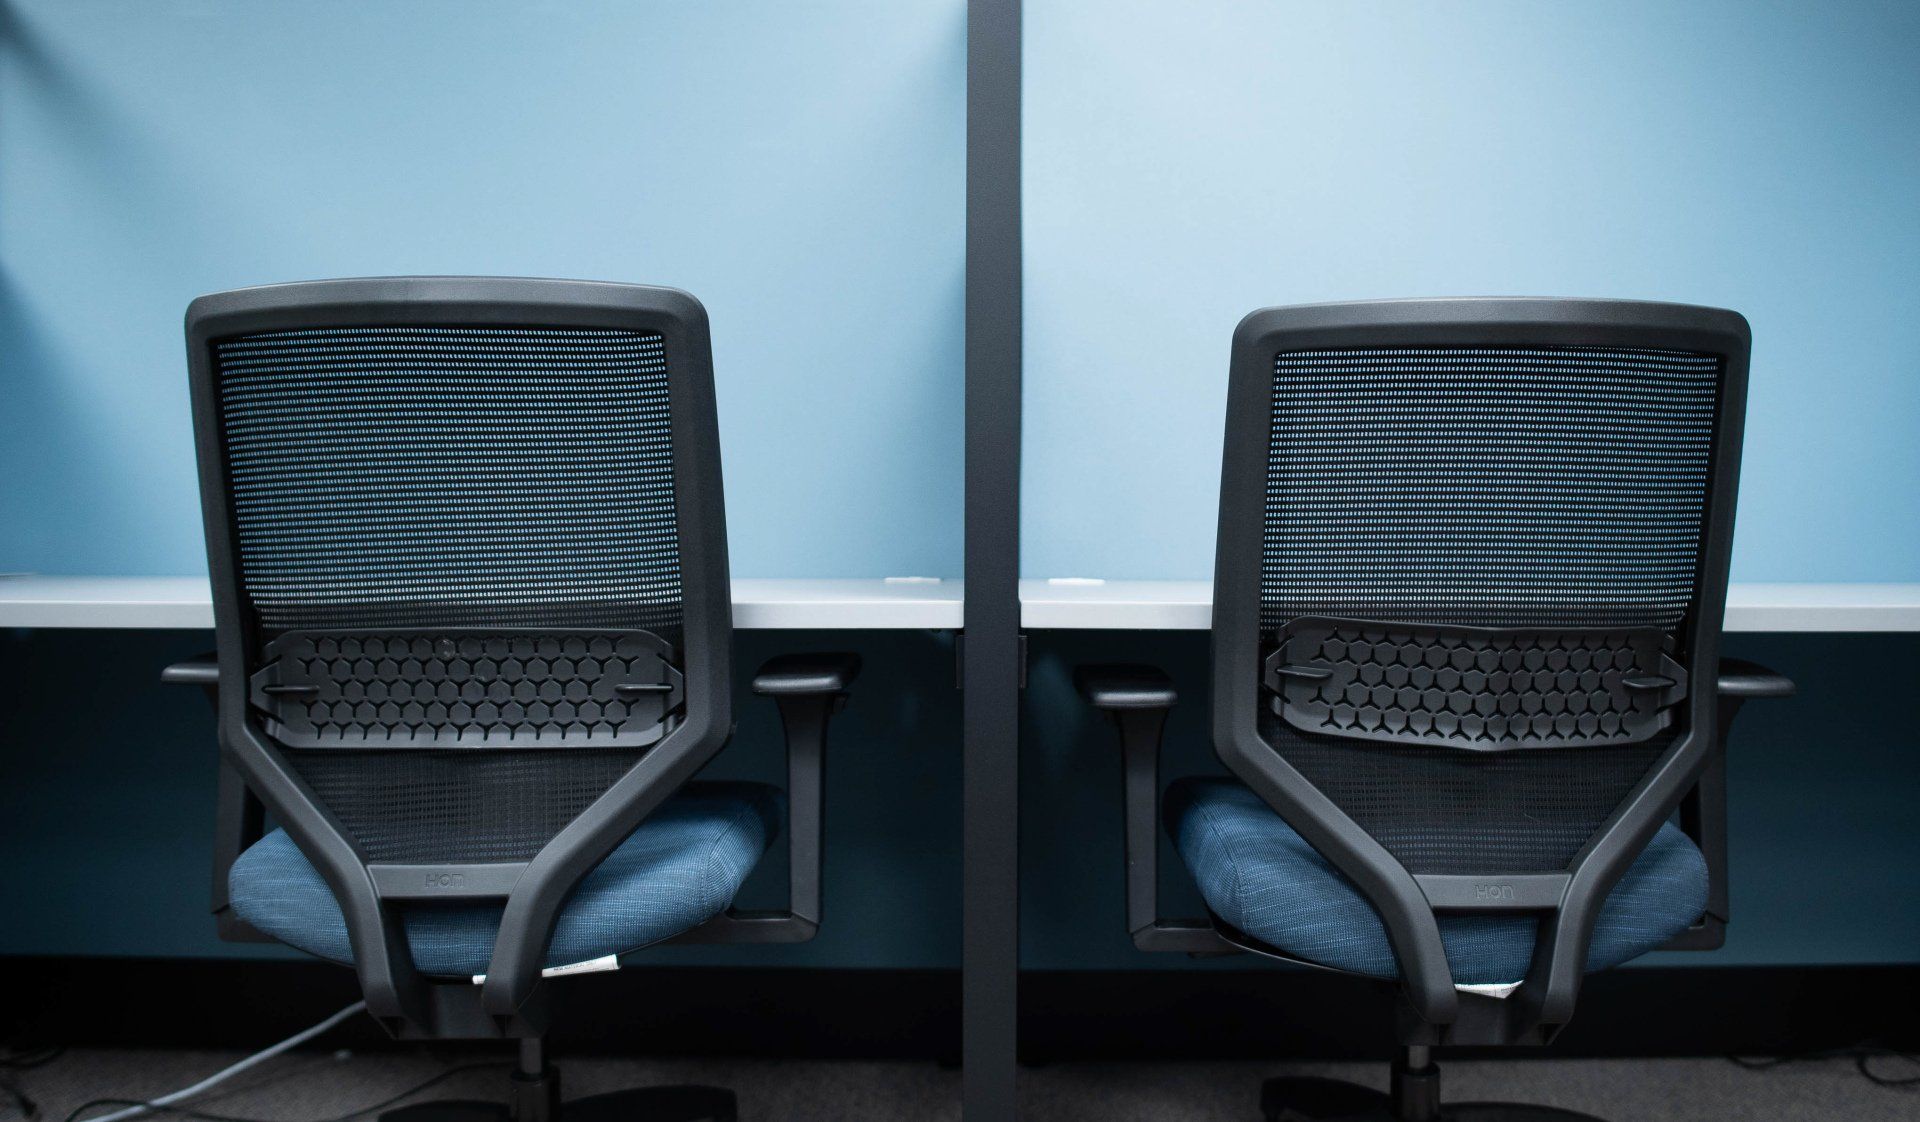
x=679, y=869
x=1263, y=878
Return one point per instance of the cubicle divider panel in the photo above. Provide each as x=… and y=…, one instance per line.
x=992, y=668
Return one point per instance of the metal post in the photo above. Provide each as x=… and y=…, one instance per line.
x=990, y=669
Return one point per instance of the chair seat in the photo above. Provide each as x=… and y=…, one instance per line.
x=681, y=868
x=1257, y=874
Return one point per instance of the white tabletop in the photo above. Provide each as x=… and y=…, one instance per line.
x=1187, y=605
x=185, y=603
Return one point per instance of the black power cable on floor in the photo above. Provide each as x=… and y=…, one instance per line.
x=206, y=1116
x=1863, y=1058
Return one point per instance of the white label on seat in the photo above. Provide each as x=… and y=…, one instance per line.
x=591, y=966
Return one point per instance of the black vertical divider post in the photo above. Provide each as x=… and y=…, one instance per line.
x=991, y=655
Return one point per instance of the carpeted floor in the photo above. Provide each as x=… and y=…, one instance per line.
x=315, y=1085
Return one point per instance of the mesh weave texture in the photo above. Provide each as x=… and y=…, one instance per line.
x=1495, y=487
x=431, y=806
x=1501, y=487
x=458, y=476
x=449, y=477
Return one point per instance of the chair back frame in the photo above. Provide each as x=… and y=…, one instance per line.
x=1408, y=904
x=408, y=1003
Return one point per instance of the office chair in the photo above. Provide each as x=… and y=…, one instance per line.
x=468, y=554
x=1471, y=571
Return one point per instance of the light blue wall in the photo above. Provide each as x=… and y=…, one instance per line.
x=1187, y=164
x=799, y=167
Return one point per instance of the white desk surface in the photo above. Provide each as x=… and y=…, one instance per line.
x=185, y=603
x=1187, y=605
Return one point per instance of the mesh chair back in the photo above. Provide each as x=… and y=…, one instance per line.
x=451, y=476
x=455, y=552
x=1479, y=563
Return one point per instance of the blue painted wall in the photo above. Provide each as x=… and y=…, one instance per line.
x=1185, y=167
x=799, y=167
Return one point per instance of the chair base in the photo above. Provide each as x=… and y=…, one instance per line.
x=533, y=1095
x=1415, y=1098
x=641, y=1104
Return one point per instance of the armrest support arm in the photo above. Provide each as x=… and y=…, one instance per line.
x=1703, y=811
x=1742, y=679
x=800, y=675
x=808, y=689
x=200, y=670
x=1123, y=686
x=239, y=816
x=1138, y=698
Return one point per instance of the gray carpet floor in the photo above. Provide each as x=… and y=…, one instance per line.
x=313, y=1085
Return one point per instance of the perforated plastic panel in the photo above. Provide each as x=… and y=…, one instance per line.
x=1517, y=488
x=410, y=689
x=1474, y=688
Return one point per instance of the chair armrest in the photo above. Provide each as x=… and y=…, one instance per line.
x=1703, y=810
x=1740, y=678
x=200, y=670
x=798, y=675
x=808, y=689
x=1138, y=699
x=1125, y=686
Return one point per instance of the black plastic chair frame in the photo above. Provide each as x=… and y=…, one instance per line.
x=807, y=688
x=511, y=1000
x=1689, y=777
x=1138, y=698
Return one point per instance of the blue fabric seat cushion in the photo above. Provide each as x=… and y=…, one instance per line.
x=1257, y=874
x=680, y=868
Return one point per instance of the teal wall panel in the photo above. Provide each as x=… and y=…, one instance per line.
x=798, y=167
x=1187, y=165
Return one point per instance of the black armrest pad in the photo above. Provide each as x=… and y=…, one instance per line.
x=794, y=675
x=1740, y=678
x=1125, y=687
x=200, y=670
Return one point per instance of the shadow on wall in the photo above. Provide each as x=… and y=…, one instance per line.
x=61, y=440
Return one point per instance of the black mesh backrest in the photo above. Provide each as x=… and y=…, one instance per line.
x=451, y=476
x=456, y=551
x=1499, y=485
x=1544, y=508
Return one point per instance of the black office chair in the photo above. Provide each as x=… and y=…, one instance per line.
x=471, y=600
x=1471, y=570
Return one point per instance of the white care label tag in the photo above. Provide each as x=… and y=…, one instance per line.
x=1490, y=989
x=591, y=966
